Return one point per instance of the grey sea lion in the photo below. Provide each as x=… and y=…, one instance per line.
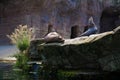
x=92, y=29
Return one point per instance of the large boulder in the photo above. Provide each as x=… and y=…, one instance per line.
x=98, y=51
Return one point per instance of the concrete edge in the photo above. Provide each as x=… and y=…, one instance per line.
x=8, y=59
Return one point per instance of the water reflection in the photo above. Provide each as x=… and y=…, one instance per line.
x=8, y=73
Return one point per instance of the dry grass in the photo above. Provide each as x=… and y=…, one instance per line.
x=21, y=37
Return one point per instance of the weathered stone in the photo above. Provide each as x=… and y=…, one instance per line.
x=99, y=51
x=63, y=14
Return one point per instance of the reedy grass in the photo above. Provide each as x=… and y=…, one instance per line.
x=21, y=37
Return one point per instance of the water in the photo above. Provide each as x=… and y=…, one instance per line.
x=7, y=50
x=8, y=73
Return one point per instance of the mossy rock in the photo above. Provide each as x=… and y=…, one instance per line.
x=98, y=51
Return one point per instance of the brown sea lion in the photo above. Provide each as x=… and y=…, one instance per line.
x=52, y=35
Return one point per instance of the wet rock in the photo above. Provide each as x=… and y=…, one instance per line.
x=99, y=51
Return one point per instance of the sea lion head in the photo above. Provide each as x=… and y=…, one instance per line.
x=91, y=22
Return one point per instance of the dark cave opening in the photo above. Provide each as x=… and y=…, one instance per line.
x=4, y=1
x=74, y=31
x=110, y=19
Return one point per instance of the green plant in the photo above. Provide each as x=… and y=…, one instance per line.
x=21, y=37
x=21, y=62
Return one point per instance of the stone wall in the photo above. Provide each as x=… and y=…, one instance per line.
x=63, y=14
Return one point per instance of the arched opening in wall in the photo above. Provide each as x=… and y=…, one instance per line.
x=74, y=31
x=110, y=19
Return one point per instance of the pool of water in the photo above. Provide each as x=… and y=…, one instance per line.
x=7, y=72
x=7, y=50
x=9, y=75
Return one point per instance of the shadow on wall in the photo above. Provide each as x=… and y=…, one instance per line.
x=75, y=31
x=110, y=19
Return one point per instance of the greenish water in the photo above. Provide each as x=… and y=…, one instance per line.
x=7, y=72
x=17, y=75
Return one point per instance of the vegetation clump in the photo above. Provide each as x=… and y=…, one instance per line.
x=21, y=38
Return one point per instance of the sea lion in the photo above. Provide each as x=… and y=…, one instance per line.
x=92, y=29
x=53, y=36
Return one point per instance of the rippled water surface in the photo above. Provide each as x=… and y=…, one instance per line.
x=7, y=73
